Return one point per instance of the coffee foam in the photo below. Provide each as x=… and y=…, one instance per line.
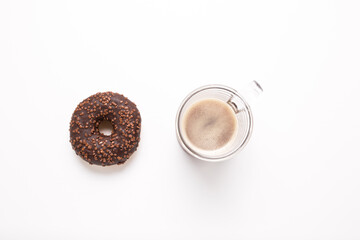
x=209, y=125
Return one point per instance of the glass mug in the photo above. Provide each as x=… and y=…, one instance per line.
x=214, y=112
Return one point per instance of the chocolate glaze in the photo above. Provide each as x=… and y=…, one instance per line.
x=95, y=147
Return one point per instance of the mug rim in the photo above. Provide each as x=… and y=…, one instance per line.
x=194, y=153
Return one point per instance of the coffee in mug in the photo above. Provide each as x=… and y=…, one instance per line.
x=214, y=122
x=209, y=124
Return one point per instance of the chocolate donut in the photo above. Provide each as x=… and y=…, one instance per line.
x=95, y=147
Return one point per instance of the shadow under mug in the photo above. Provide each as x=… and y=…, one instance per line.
x=242, y=112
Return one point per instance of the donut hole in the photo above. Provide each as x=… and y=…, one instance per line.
x=106, y=128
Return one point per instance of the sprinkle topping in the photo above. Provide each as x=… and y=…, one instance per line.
x=95, y=147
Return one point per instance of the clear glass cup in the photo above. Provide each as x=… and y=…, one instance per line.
x=239, y=104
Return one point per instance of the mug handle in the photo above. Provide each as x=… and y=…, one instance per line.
x=252, y=91
x=249, y=94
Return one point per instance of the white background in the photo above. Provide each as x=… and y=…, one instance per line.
x=298, y=178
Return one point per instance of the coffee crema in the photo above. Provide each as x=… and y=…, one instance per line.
x=210, y=124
